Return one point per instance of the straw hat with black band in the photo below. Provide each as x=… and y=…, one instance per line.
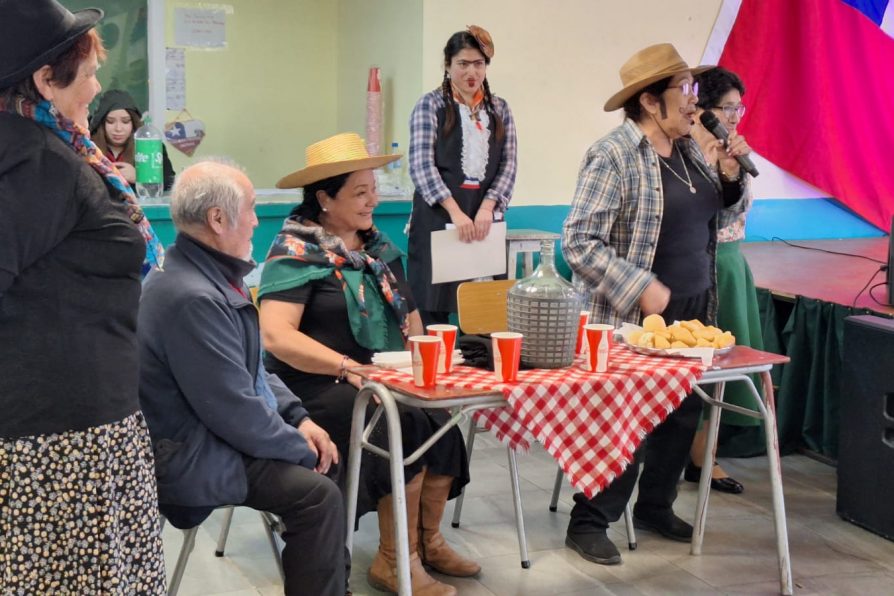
x=34, y=32
x=651, y=64
x=341, y=154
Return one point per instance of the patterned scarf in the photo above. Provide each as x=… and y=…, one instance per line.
x=304, y=252
x=78, y=139
x=477, y=101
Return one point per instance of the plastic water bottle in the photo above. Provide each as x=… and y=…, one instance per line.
x=395, y=184
x=394, y=166
x=148, y=162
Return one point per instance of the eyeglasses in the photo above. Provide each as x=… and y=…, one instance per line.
x=730, y=111
x=686, y=88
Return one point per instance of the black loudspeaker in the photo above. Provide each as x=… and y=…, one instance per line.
x=866, y=442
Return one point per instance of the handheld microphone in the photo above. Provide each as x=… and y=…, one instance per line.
x=710, y=121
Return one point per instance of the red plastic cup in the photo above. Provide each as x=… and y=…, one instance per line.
x=507, y=354
x=584, y=319
x=598, y=340
x=424, y=350
x=447, y=333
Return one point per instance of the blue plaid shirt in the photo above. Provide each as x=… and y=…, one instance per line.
x=611, y=231
x=423, y=136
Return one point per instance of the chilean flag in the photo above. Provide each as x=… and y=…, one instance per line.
x=819, y=78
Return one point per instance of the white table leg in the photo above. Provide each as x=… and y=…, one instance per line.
x=396, y=460
x=519, y=513
x=704, y=483
x=511, y=262
x=785, y=564
x=529, y=263
x=355, y=450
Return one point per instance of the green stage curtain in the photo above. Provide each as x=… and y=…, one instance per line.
x=809, y=393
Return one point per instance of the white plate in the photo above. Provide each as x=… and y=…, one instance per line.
x=624, y=331
x=671, y=353
x=404, y=360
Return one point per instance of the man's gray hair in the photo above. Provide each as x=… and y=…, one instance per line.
x=193, y=195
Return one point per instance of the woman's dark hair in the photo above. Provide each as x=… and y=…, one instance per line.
x=714, y=84
x=99, y=136
x=633, y=109
x=309, y=208
x=64, y=68
x=459, y=41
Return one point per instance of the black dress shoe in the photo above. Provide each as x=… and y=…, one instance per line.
x=665, y=523
x=595, y=547
x=724, y=485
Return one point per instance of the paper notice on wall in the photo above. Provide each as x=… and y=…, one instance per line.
x=200, y=27
x=175, y=79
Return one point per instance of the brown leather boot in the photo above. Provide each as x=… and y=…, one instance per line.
x=434, y=550
x=382, y=574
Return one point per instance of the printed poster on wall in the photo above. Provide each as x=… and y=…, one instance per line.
x=201, y=27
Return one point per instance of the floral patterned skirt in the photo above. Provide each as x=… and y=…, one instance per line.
x=79, y=512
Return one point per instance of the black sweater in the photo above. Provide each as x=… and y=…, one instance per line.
x=69, y=289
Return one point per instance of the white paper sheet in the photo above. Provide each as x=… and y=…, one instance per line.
x=453, y=260
x=201, y=27
x=175, y=79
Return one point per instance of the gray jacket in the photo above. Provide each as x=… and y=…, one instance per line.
x=200, y=373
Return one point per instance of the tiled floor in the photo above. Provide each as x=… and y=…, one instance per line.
x=829, y=556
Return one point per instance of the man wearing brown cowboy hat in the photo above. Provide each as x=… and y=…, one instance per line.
x=640, y=239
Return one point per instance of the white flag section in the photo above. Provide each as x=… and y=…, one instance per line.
x=888, y=20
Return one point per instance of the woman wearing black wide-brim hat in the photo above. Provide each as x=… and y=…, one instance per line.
x=78, y=511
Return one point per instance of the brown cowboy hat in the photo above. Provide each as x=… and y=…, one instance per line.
x=647, y=66
x=34, y=32
x=341, y=154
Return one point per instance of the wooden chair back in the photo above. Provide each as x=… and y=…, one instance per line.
x=482, y=306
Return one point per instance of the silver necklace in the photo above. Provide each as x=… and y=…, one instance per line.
x=688, y=180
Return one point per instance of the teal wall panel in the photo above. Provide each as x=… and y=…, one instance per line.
x=800, y=219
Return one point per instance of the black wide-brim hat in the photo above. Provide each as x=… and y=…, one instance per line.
x=34, y=32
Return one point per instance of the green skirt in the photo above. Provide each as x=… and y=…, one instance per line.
x=738, y=312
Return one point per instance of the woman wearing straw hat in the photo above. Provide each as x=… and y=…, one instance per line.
x=332, y=293
x=78, y=511
x=641, y=239
x=462, y=161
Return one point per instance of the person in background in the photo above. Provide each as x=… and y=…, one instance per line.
x=225, y=431
x=721, y=92
x=78, y=509
x=640, y=239
x=112, y=127
x=332, y=293
x=462, y=162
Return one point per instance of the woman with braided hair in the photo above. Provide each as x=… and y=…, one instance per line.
x=462, y=162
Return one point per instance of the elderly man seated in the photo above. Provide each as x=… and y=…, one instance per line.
x=225, y=431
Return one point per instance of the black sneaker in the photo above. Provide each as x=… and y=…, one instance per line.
x=665, y=523
x=594, y=547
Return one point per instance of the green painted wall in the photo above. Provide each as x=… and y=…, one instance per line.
x=390, y=217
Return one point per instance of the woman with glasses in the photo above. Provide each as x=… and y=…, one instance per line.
x=721, y=91
x=462, y=161
x=641, y=239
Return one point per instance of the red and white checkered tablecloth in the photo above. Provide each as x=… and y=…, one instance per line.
x=591, y=423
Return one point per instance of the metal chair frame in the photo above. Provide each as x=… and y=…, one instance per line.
x=272, y=526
